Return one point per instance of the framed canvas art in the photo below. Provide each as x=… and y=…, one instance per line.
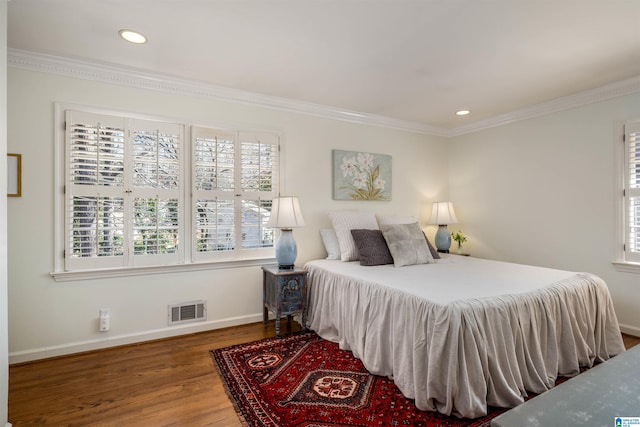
x=361, y=176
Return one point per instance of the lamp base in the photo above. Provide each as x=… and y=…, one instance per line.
x=286, y=250
x=443, y=239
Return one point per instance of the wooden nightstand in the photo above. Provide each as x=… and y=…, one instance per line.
x=284, y=292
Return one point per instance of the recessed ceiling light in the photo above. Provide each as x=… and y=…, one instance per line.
x=462, y=112
x=132, y=36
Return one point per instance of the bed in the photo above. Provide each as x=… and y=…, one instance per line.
x=462, y=333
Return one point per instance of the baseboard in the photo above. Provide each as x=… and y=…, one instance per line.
x=114, y=341
x=78, y=347
x=630, y=330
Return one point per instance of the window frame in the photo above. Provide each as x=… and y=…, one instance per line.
x=187, y=260
x=622, y=261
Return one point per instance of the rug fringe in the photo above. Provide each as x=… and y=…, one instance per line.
x=243, y=420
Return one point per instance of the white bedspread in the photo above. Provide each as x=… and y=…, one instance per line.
x=464, y=333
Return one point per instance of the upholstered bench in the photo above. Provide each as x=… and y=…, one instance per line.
x=594, y=398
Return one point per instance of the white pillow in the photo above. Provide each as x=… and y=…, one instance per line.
x=330, y=241
x=394, y=219
x=343, y=223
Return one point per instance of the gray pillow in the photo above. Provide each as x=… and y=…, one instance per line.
x=372, y=247
x=407, y=244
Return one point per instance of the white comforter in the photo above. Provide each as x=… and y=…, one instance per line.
x=464, y=333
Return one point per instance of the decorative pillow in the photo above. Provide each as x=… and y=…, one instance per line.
x=330, y=241
x=434, y=251
x=372, y=248
x=405, y=219
x=343, y=223
x=407, y=244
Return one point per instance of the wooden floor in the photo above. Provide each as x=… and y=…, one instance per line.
x=171, y=382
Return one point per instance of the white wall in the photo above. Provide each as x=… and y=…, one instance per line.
x=48, y=318
x=4, y=360
x=541, y=191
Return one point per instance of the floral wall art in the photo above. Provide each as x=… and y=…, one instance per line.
x=361, y=176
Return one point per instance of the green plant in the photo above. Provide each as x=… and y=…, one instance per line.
x=459, y=237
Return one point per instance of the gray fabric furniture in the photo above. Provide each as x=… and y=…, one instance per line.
x=594, y=398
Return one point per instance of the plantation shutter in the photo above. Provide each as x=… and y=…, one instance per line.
x=234, y=177
x=258, y=182
x=123, y=192
x=632, y=192
x=156, y=192
x=94, y=191
x=213, y=177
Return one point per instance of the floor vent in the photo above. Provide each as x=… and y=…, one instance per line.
x=192, y=311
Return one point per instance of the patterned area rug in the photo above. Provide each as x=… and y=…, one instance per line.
x=303, y=380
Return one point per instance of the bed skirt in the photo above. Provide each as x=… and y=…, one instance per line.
x=459, y=357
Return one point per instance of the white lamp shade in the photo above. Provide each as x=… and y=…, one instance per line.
x=442, y=213
x=285, y=213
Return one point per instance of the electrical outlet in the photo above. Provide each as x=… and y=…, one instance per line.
x=105, y=319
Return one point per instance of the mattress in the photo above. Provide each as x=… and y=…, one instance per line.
x=464, y=333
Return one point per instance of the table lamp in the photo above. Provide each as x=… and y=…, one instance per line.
x=285, y=215
x=442, y=214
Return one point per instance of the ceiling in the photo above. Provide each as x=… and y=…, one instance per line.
x=414, y=60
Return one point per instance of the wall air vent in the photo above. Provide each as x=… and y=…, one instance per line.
x=192, y=311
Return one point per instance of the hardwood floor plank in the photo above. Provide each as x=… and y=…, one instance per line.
x=170, y=382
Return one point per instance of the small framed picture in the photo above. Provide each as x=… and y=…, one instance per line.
x=14, y=175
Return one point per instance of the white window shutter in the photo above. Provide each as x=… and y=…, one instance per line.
x=124, y=192
x=156, y=190
x=632, y=192
x=234, y=177
x=126, y=200
x=94, y=228
x=259, y=185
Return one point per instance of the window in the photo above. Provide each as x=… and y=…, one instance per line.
x=139, y=192
x=632, y=192
x=234, y=182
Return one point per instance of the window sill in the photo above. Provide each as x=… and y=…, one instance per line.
x=69, y=276
x=627, y=267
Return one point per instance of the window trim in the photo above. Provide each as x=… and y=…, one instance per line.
x=189, y=264
x=620, y=263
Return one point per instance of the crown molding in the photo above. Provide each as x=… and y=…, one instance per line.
x=603, y=93
x=109, y=73
x=132, y=77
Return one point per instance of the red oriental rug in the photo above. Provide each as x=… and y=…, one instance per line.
x=303, y=380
